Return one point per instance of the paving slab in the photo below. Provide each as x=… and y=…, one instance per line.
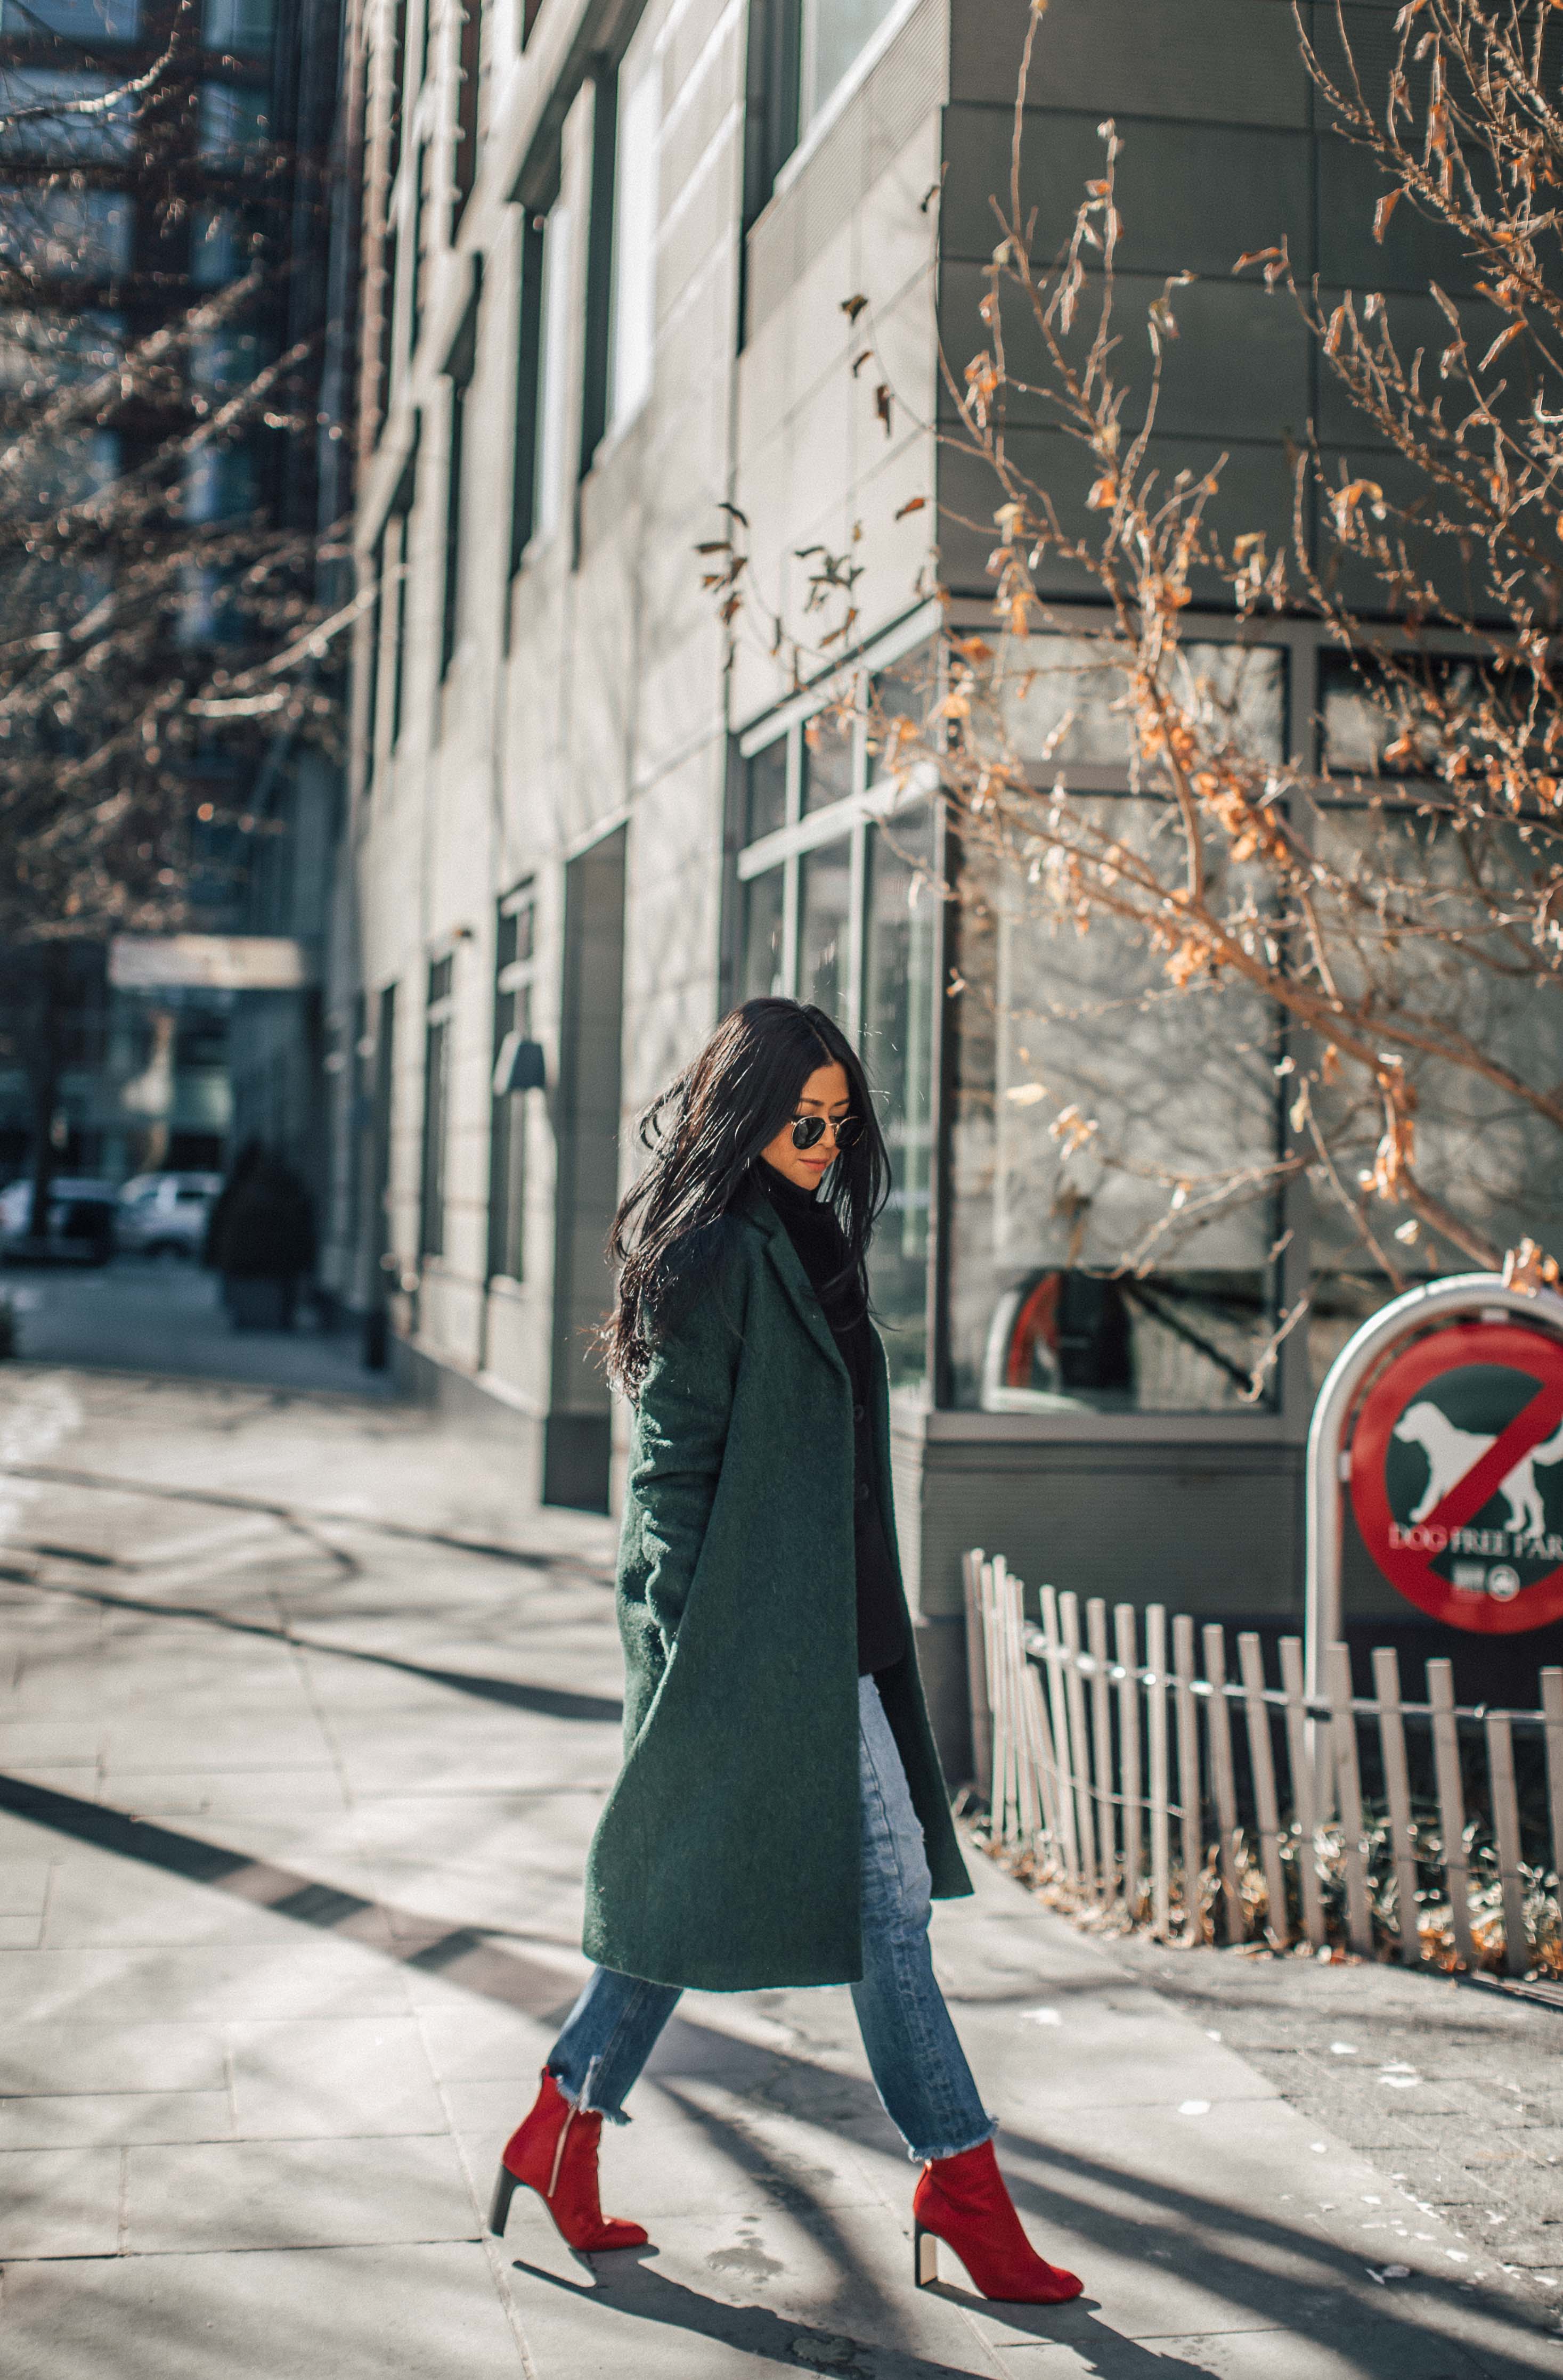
x=408, y=2312
x=291, y=1939
x=336, y=2193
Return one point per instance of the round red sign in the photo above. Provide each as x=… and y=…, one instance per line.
x=1457, y=1476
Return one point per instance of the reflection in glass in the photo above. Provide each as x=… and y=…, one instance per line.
x=898, y=1010
x=80, y=136
x=76, y=20
x=1088, y=1090
x=762, y=974
x=1063, y=698
x=836, y=32
x=824, y=884
x=827, y=759
x=66, y=235
x=765, y=808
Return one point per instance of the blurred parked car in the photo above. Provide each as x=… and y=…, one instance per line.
x=78, y=1228
x=165, y=1214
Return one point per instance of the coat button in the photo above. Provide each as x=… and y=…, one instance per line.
x=859, y=1413
x=863, y=1491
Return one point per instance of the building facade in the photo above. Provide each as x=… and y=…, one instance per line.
x=152, y=156
x=621, y=262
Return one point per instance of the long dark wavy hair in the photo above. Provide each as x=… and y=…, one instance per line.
x=705, y=1135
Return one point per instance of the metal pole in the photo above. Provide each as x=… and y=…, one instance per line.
x=1440, y=1300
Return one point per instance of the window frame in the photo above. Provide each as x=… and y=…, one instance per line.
x=516, y=979
x=1285, y=1421
x=439, y=1015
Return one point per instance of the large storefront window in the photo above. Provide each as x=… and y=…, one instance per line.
x=1115, y=1219
x=1478, y=1144
x=839, y=907
x=899, y=959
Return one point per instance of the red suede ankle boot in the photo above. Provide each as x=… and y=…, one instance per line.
x=962, y=2201
x=554, y=2152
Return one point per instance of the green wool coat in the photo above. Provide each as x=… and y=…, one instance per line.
x=728, y=1856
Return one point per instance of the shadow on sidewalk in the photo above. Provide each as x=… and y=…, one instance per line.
x=628, y=2283
x=547, y=1702
x=1276, y=2272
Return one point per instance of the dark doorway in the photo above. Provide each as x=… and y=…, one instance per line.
x=577, y=1448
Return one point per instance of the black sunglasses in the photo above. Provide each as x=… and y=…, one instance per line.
x=807, y=1131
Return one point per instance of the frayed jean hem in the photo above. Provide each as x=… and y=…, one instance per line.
x=962, y=2148
x=581, y=2100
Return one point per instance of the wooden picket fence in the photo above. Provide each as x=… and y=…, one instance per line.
x=1176, y=1796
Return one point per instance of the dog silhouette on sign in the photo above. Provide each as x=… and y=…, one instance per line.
x=1452, y=1451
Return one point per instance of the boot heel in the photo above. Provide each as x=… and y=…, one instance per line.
x=504, y=2190
x=924, y=2256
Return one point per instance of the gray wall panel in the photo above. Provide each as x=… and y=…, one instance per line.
x=1191, y=196
x=1213, y=1530
x=1228, y=60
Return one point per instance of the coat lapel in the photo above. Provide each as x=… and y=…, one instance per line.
x=787, y=1266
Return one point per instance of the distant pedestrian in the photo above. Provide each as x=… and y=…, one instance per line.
x=262, y=1243
x=780, y=1819
x=252, y=1153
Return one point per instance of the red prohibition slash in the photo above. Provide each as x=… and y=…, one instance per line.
x=1406, y=1554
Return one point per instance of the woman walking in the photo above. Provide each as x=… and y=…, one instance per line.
x=780, y=1817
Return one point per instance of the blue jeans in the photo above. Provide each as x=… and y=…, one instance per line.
x=918, y=2066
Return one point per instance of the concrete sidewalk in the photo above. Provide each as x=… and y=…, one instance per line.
x=303, y=1733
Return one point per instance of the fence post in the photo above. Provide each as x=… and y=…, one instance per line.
x=1188, y=1796
x=1349, y=1787
x=1262, y=1762
x=1102, y=1746
x=1398, y=1792
x=1035, y=1712
x=1060, y=1732
x=1506, y=1828
x=1080, y=1745
x=1027, y=1771
x=977, y=1678
x=1451, y=1805
x=1552, y=1703
x=1222, y=1782
x=1155, y=1746
x=1300, y=1759
x=1128, y=1751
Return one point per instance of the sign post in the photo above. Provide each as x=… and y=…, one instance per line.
x=1454, y=1428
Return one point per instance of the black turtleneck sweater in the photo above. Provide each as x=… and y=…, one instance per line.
x=816, y=1236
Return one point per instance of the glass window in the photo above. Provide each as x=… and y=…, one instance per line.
x=1088, y=1093
x=52, y=134
x=1487, y=1152
x=1063, y=698
x=215, y=247
x=764, y=973
x=66, y=235
x=436, y=1101
x=765, y=807
x=235, y=122
x=824, y=908
x=508, y=1151
x=219, y=483
x=243, y=27
x=897, y=1008
x=835, y=33
x=553, y=372
x=633, y=290
x=1374, y=723
x=829, y=742
x=227, y=358
x=75, y=20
